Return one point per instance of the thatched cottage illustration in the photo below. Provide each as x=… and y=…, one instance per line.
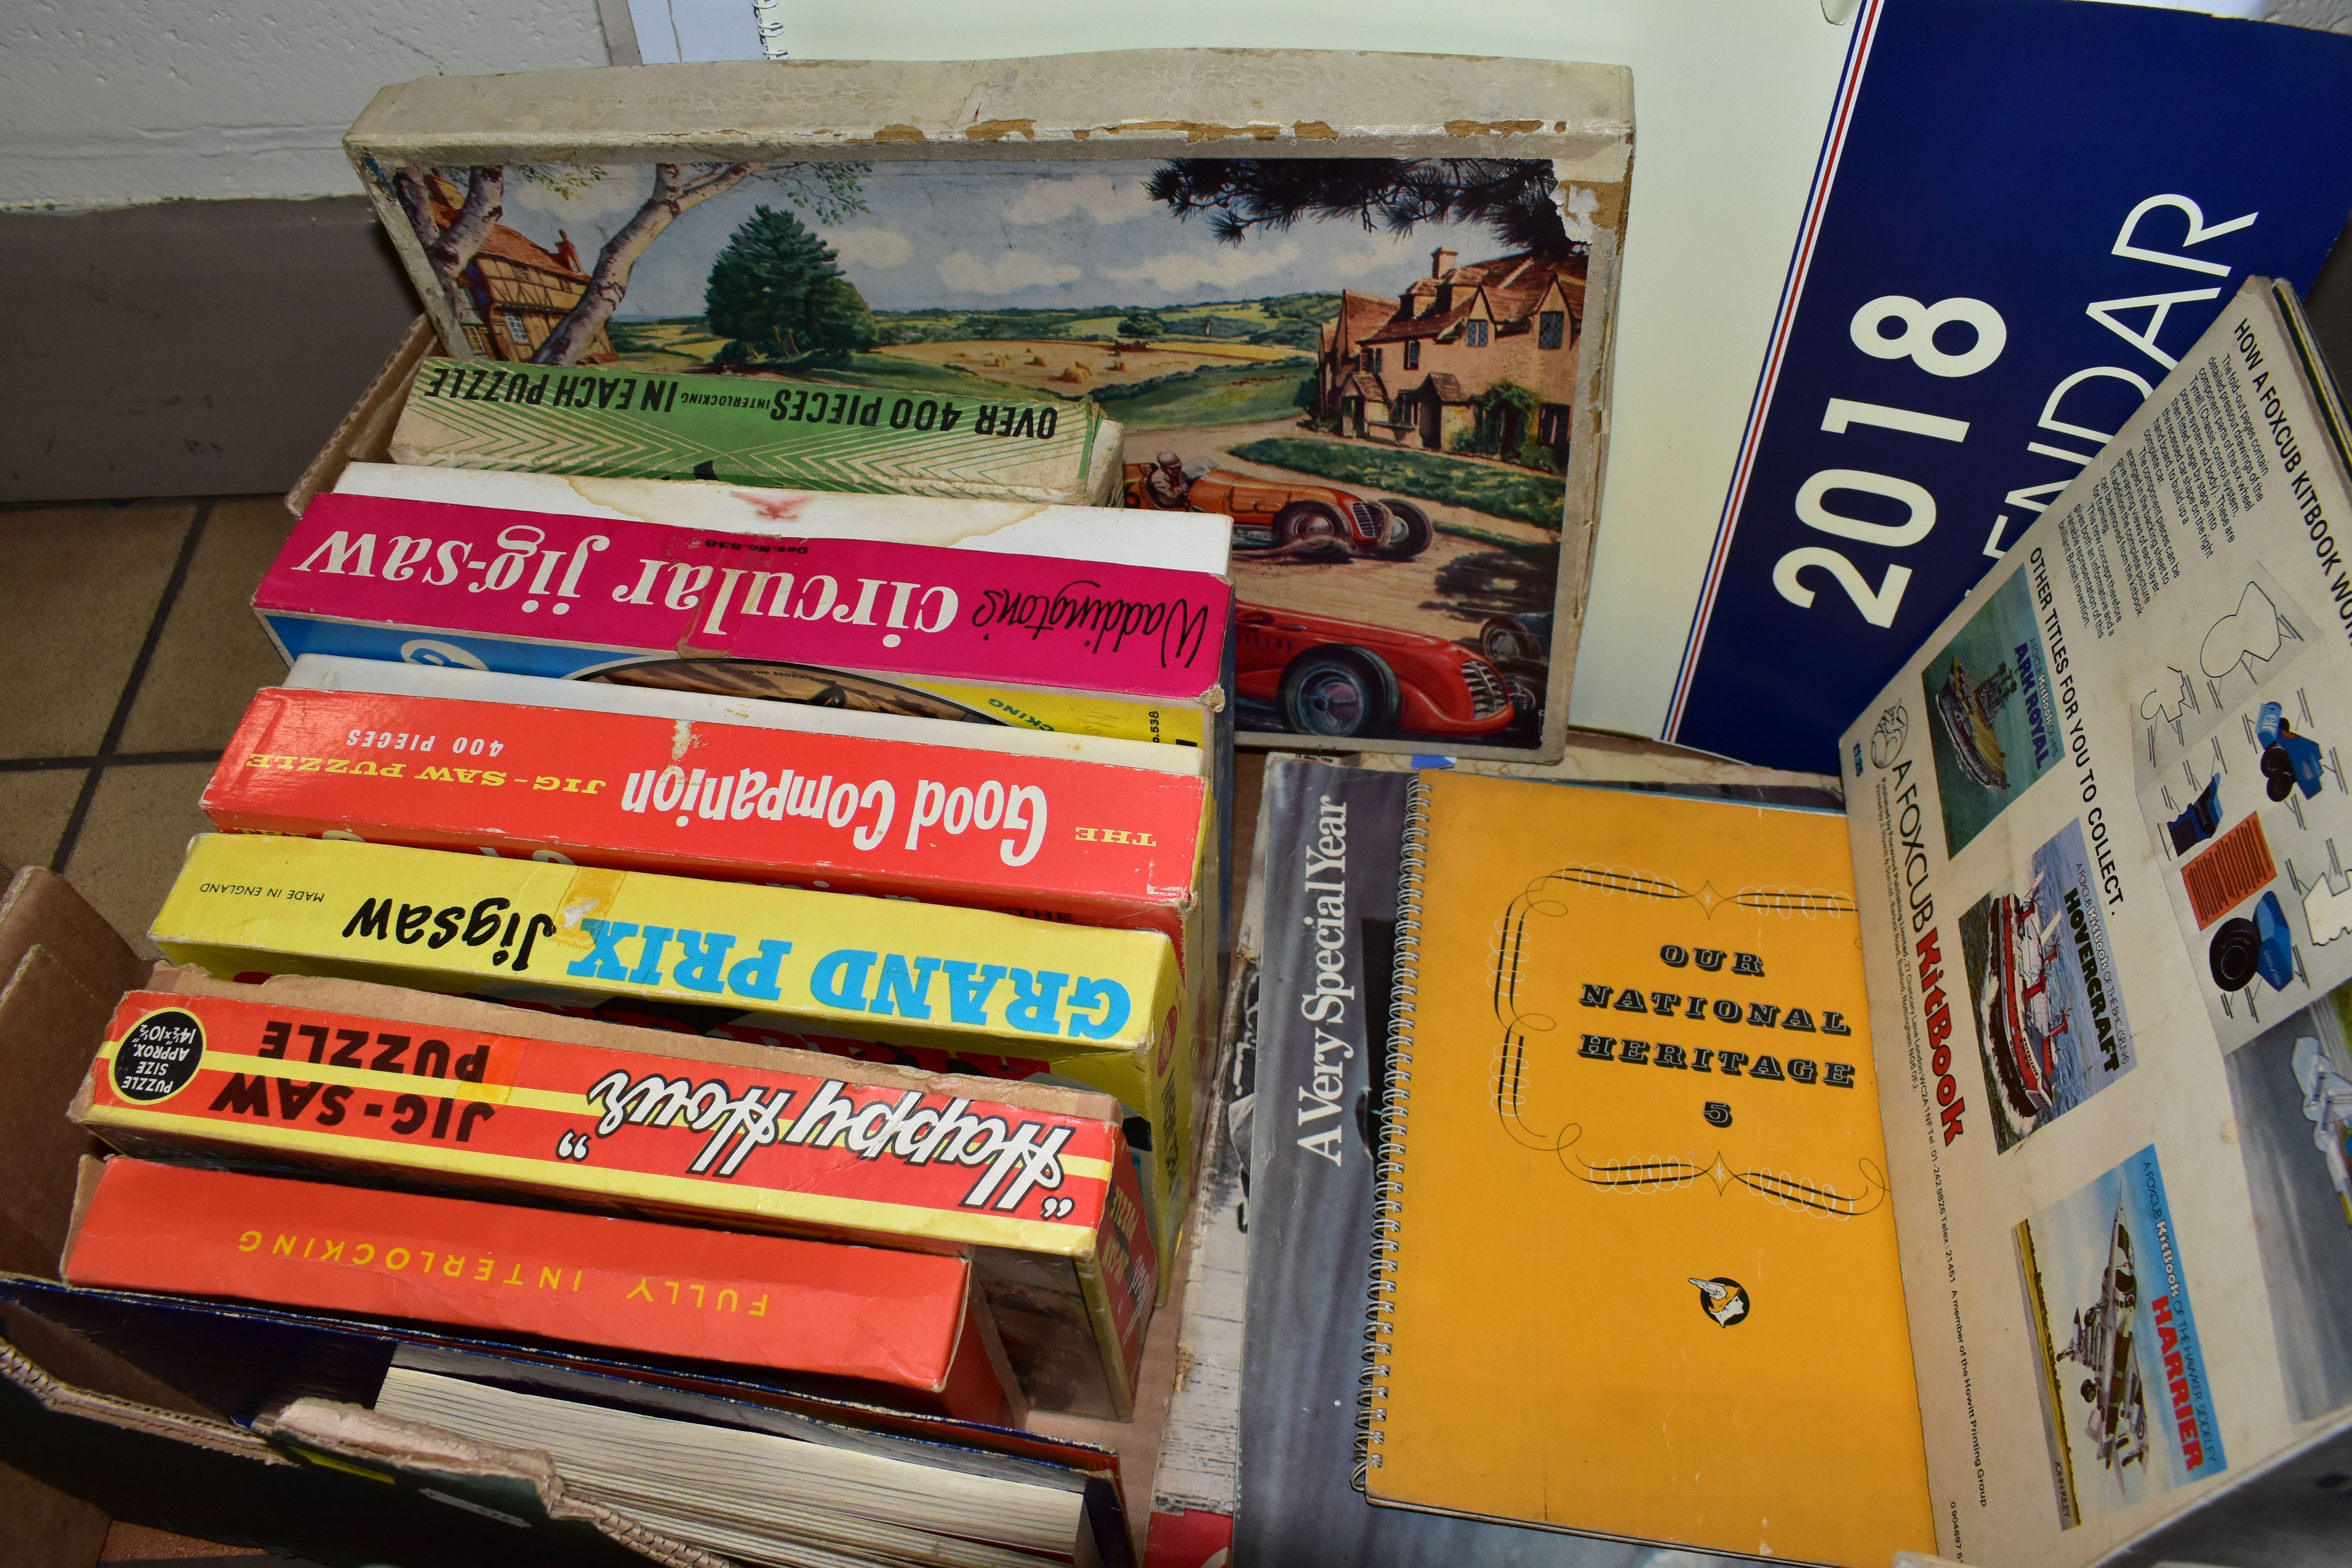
x=1473, y=357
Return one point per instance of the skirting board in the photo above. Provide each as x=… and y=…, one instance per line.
x=187, y=348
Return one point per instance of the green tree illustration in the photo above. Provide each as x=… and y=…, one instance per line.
x=775, y=291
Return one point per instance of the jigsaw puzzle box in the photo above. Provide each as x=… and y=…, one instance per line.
x=1363, y=304
x=946, y=989
x=1036, y=1187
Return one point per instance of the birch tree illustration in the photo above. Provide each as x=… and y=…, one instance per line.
x=449, y=250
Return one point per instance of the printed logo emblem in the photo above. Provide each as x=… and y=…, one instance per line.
x=1887, y=739
x=433, y=651
x=158, y=1056
x=1725, y=1300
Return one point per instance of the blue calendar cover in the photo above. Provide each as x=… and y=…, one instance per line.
x=2024, y=213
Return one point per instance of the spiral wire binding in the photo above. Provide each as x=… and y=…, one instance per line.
x=1387, y=1179
x=769, y=15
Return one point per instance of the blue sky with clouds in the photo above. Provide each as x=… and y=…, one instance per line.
x=977, y=236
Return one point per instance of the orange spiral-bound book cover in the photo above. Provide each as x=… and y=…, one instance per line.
x=907, y=1326
x=1633, y=1255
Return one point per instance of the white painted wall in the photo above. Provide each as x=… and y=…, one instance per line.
x=105, y=101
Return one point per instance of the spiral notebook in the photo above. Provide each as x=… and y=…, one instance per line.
x=1635, y=1268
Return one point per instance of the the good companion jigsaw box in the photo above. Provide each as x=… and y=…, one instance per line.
x=1043, y=837
x=1357, y=302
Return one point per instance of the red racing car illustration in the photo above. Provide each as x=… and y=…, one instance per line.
x=1343, y=678
x=1271, y=513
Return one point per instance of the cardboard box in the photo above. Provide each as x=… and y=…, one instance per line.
x=326, y=672
x=955, y=155
x=1040, y=836
x=174, y=1414
x=363, y=435
x=388, y=678
x=902, y=1326
x=86, y=1433
x=1176, y=540
x=61, y=967
x=1050, y=532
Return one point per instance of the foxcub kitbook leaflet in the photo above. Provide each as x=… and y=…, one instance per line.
x=2099, y=824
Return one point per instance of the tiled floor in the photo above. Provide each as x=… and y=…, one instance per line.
x=130, y=634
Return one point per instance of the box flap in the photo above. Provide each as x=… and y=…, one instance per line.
x=50, y=1024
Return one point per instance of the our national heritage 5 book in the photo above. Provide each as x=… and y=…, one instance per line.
x=1632, y=1167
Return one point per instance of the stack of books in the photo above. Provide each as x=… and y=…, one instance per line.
x=1952, y=1162
x=759, y=944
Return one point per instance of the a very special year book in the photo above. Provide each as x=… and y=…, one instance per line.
x=1634, y=1268
x=2099, y=824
